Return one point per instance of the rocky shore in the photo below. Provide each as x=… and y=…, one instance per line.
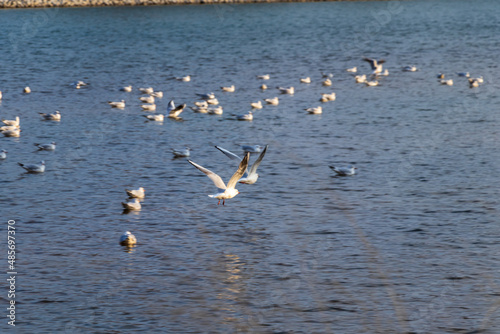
x=100, y=3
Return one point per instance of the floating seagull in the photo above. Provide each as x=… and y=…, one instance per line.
x=317, y=110
x=289, y=90
x=352, y=69
x=201, y=110
x=27, y=90
x=264, y=77
x=128, y=239
x=274, y=101
x=14, y=122
x=376, y=65
x=371, y=83
x=252, y=148
x=344, y=171
x=463, y=74
x=46, y=147
x=132, y=205
x=208, y=96
x=157, y=94
x=305, y=80
x=176, y=111
x=328, y=97
x=34, y=168
x=9, y=127
x=79, y=84
x=256, y=105
x=12, y=133
x=1, y=95
x=136, y=193
x=155, y=118
x=245, y=117
x=229, y=89
x=127, y=89
x=263, y=87
x=440, y=76
x=213, y=101
x=229, y=191
x=480, y=79
x=473, y=83
x=3, y=154
x=249, y=177
x=360, y=78
x=215, y=110
x=327, y=82
x=148, y=107
x=187, y=78
x=147, y=99
x=448, y=82
x=184, y=153
x=51, y=117
x=202, y=104
x=148, y=90
x=119, y=104
x=410, y=69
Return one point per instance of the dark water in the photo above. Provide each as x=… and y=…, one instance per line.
x=409, y=244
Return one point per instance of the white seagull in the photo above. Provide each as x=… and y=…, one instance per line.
x=157, y=94
x=201, y=104
x=128, y=239
x=155, y=118
x=371, y=83
x=148, y=107
x=117, y=104
x=305, y=80
x=344, y=171
x=51, y=117
x=256, y=105
x=360, y=78
x=34, y=168
x=250, y=176
x=284, y=90
x=274, y=101
x=448, y=82
x=264, y=77
x=215, y=110
x=174, y=113
x=14, y=122
x=201, y=110
x=473, y=83
x=208, y=96
x=127, y=89
x=376, y=65
x=410, y=68
x=229, y=89
x=328, y=97
x=327, y=82
x=12, y=133
x=263, y=87
x=245, y=117
x=136, y=193
x=147, y=99
x=3, y=154
x=184, y=153
x=46, y=147
x=9, y=127
x=148, y=90
x=213, y=101
x=27, y=90
x=228, y=191
x=187, y=78
x=352, y=69
x=132, y=205
x=317, y=110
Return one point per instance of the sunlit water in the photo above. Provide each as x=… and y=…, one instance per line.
x=409, y=244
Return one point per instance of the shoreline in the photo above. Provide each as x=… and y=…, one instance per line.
x=5, y=4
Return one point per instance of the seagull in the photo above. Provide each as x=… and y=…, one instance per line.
x=46, y=147
x=274, y=101
x=229, y=89
x=128, y=239
x=155, y=118
x=410, y=69
x=136, y=193
x=202, y=104
x=208, y=96
x=360, y=78
x=147, y=99
x=34, y=168
x=440, y=76
x=157, y=94
x=132, y=205
x=249, y=177
x=371, y=83
x=376, y=65
x=463, y=74
x=284, y=90
x=264, y=77
x=473, y=83
x=328, y=97
x=3, y=154
x=352, y=69
x=215, y=111
x=119, y=105
x=176, y=111
x=148, y=107
x=27, y=90
x=256, y=105
x=201, y=110
x=344, y=171
x=317, y=110
x=79, y=84
x=1, y=95
x=187, y=78
x=9, y=127
x=127, y=89
x=213, y=101
x=263, y=87
x=12, y=133
x=52, y=117
x=385, y=73
x=480, y=79
x=228, y=191
x=305, y=80
x=148, y=90
x=251, y=148
x=448, y=82
x=14, y=122
x=327, y=82
x=181, y=153
x=245, y=117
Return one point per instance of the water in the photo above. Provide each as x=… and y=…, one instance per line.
x=409, y=244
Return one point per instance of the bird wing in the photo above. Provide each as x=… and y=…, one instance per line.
x=239, y=173
x=229, y=154
x=371, y=61
x=177, y=110
x=257, y=162
x=214, y=177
